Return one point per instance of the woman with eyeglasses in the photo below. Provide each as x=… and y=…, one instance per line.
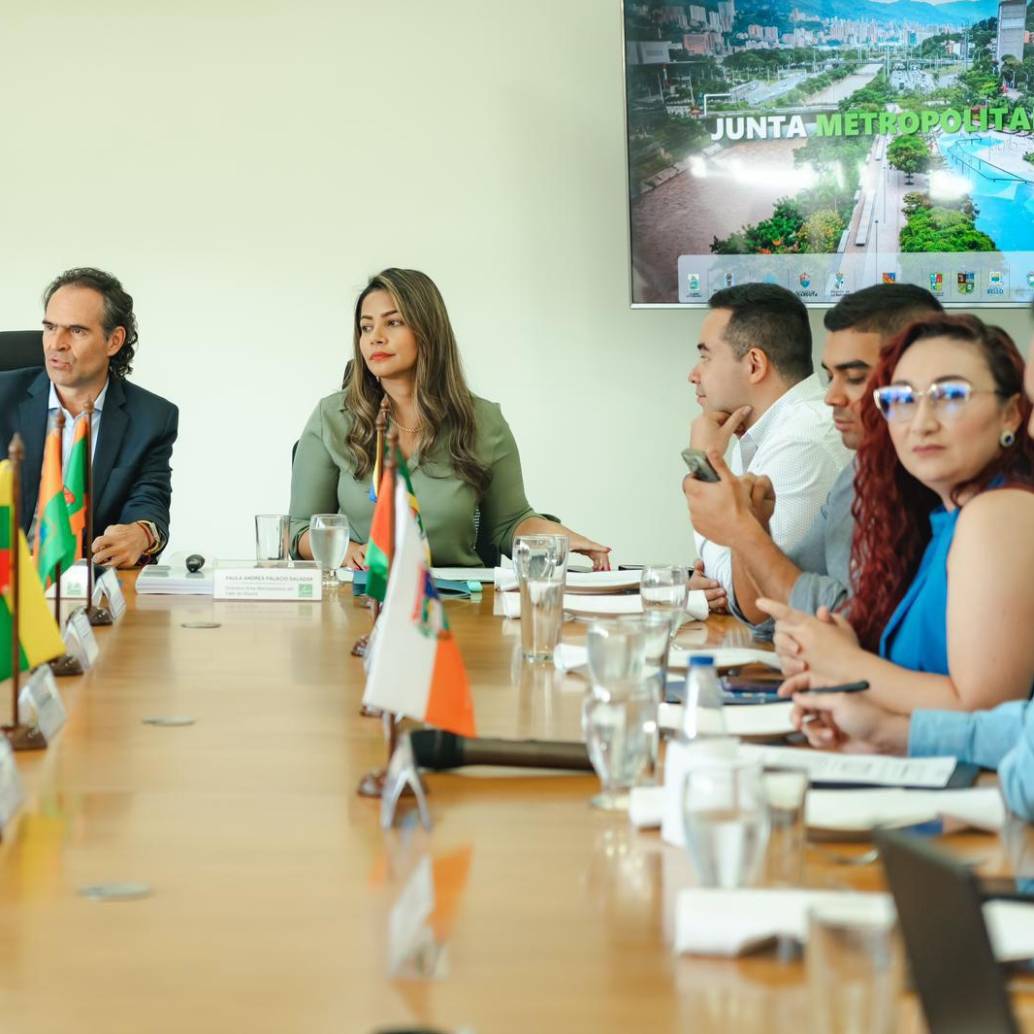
x=943, y=555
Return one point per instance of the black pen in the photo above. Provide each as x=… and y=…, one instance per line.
x=845, y=687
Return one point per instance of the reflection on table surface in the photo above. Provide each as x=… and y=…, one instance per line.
x=278, y=902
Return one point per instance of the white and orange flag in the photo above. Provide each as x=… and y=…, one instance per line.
x=415, y=668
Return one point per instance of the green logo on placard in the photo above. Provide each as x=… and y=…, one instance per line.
x=305, y=591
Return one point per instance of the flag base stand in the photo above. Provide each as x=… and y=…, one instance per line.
x=24, y=737
x=65, y=665
x=359, y=649
x=370, y=712
x=98, y=616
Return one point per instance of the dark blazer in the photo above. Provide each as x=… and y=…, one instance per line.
x=132, y=478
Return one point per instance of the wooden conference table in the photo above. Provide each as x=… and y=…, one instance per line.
x=273, y=884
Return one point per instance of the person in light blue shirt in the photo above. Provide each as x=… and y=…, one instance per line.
x=1001, y=738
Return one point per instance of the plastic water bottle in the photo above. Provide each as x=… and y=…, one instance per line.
x=703, y=715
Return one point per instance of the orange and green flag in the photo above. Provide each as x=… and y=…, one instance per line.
x=75, y=483
x=40, y=639
x=380, y=547
x=55, y=542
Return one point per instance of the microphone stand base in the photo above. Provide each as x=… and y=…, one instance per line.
x=25, y=737
x=372, y=785
x=66, y=665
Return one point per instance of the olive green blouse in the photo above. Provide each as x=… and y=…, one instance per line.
x=322, y=482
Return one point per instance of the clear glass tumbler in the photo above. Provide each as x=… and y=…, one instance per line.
x=665, y=588
x=853, y=963
x=725, y=818
x=271, y=536
x=540, y=563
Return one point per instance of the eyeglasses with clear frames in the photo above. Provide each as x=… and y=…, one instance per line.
x=899, y=402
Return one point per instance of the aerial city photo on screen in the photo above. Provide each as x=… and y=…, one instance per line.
x=826, y=145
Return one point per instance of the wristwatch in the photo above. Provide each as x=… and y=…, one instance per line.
x=154, y=539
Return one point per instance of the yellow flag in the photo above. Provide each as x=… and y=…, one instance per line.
x=40, y=638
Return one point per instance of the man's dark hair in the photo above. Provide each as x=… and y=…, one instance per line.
x=118, y=311
x=884, y=309
x=773, y=319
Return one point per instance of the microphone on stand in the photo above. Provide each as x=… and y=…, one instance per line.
x=441, y=751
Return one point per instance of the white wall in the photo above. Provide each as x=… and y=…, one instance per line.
x=244, y=166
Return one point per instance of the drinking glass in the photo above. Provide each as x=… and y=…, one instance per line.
x=852, y=962
x=271, y=536
x=786, y=792
x=616, y=658
x=665, y=587
x=540, y=563
x=726, y=821
x=328, y=540
x=655, y=628
x=617, y=736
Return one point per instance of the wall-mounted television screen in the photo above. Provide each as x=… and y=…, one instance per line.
x=826, y=145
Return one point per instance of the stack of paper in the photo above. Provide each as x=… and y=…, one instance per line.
x=162, y=579
x=579, y=582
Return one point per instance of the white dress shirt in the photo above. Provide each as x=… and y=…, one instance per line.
x=68, y=436
x=795, y=444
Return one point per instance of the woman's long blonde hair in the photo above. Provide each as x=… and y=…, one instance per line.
x=443, y=400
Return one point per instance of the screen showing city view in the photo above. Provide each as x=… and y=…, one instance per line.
x=826, y=145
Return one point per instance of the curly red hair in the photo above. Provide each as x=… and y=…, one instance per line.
x=891, y=508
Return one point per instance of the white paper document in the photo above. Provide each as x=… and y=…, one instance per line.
x=863, y=810
x=873, y=769
x=484, y=575
x=164, y=580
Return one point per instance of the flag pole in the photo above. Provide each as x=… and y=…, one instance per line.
x=22, y=737
x=372, y=784
x=381, y=424
x=95, y=615
x=66, y=664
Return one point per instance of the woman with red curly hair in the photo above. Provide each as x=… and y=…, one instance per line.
x=943, y=554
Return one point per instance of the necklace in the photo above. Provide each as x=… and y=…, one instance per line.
x=408, y=430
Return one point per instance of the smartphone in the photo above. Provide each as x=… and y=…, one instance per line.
x=699, y=465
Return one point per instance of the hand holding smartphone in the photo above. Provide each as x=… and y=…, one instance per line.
x=699, y=465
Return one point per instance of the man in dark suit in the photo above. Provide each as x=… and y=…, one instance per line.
x=89, y=339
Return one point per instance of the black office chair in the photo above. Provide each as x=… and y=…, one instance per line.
x=20, y=349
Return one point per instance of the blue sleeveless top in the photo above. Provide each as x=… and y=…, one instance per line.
x=916, y=636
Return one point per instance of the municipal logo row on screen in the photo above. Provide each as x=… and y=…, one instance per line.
x=815, y=278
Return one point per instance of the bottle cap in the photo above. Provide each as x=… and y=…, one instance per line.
x=701, y=660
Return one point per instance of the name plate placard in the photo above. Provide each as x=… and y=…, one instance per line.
x=268, y=583
x=108, y=584
x=40, y=704
x=11, y=793
x=80, y=640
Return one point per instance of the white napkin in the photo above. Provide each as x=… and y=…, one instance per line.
x=862, y=810
x=740, y=719
x=731, y=922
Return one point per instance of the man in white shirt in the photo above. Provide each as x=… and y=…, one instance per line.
x=763, y=408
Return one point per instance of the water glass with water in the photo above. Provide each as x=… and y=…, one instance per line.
x=665, y=588
x=725, y=820
x=271, y=536
x=786, y=793
x=618, y=738
x=540, y=564
x=328, y=540
x=853, y=963
x=617, y=654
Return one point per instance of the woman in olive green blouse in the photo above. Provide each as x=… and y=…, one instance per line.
x=461, y=454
